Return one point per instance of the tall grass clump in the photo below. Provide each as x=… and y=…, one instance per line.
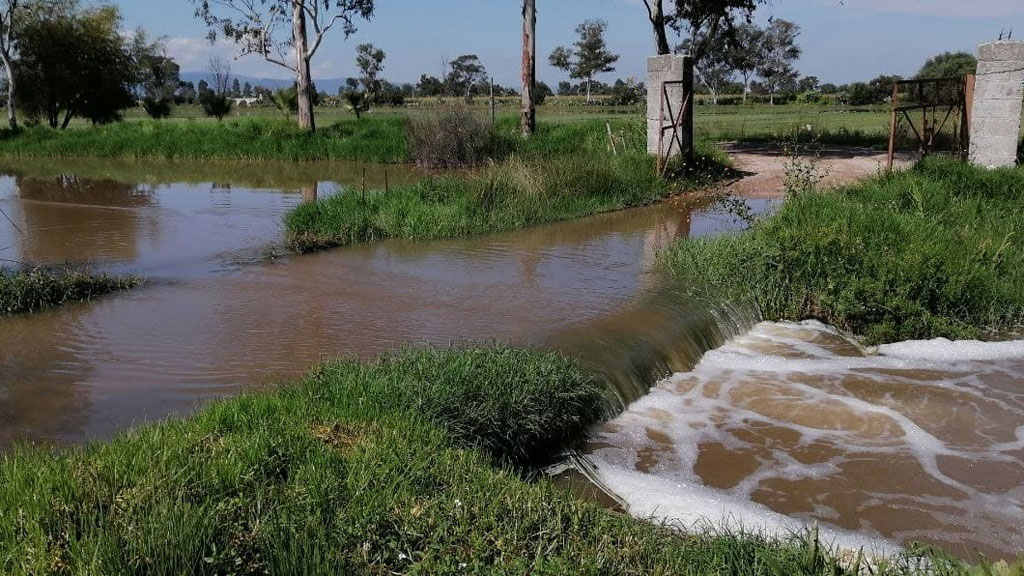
x=935, y=251
x=565, y=171
x=504, y=196
x=403, y=465
x=454, y=137
x=33, y=289
x=368, y=140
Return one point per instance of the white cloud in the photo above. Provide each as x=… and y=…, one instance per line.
x=193, y=55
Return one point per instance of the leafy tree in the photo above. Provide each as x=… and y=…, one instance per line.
x=542, y=91
x=204, y=87
x=274, y=29
x=186, y=93
x=429, y=86
x=703, y=21
x=881, y=88
x=714, y=70
x=745, y=54
x=808, y=84
x=72, y=61
x=370, y=61
x=590, y=55
x=10, y=12
x=566, y=88
x=828, y=88
x=949, y=65
x=236, y=88
x=286, y=100
x=626, y=93
x=159, y=76
x=357, y=102
x=779, y=52
x=247, y=90
x=858, y=94
x=464, y=73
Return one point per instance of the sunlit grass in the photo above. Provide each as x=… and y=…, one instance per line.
x=33, y=289
x=933, y=251
x=415, y=463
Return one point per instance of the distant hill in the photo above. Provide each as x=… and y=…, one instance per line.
x=329, y=85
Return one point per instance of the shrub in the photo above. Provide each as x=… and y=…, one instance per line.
x=215, y=105
x=451, y=138
x=157, y=108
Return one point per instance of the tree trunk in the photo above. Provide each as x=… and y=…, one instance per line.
x=588, y=90
x=303, y=77
x=12, y=115
x=657, y=16
x=529, y=110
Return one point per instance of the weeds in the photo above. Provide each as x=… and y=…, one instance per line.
x=451, y=138
x=933, y=251
x=33, y=289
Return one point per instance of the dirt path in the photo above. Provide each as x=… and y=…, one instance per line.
x=764, y=166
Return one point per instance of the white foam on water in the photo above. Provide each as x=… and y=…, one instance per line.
x=913, y=406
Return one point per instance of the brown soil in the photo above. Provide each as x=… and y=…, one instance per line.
x=763, y=167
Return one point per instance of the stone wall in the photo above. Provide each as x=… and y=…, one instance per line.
x=998, y=95
x=661, y=69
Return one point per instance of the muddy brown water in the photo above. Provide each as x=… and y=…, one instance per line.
x=782, y=424
x=215, y=318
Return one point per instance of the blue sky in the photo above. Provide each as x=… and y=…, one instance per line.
x=854, y=41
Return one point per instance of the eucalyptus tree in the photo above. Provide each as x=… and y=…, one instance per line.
x=287, y=33
x=589, y=56
x=779, y=52
x=8, y=12
x=703, y=21
x=744, y=53
x=370, y=61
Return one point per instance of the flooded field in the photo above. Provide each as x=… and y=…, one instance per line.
x=217, y=317
x=782, y=425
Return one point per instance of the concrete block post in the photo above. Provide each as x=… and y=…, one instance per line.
x=998, y=96
x=662, y=69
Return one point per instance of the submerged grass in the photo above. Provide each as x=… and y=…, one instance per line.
x=407, y=464
x=379, y=139
x=33, y=289
x=935, y=251
x=566, y=171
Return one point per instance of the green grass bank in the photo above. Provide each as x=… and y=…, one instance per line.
x=565, y=171
x=934, y=251
x=28, y=290
x=380, y=139
x=411, y=464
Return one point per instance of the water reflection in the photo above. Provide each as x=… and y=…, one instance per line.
x=205, y=327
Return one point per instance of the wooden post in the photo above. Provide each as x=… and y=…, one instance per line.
x=892, y=127
x=529, y=110
x=494, y=113
x=965, y=125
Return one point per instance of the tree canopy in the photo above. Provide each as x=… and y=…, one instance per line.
x=72, y=61
x=948, y=65
x=589, y=55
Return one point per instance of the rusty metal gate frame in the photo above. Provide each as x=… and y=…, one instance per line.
x=959, y=109
x=676, y=126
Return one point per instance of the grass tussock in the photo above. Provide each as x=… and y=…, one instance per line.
x=27, y=290
x=935, y=251
x=401, y=465
x=450, y=138
x=565, y=171
x=370, y=140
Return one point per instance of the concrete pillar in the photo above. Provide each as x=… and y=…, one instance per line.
x=661, y=69
x=998, y=94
